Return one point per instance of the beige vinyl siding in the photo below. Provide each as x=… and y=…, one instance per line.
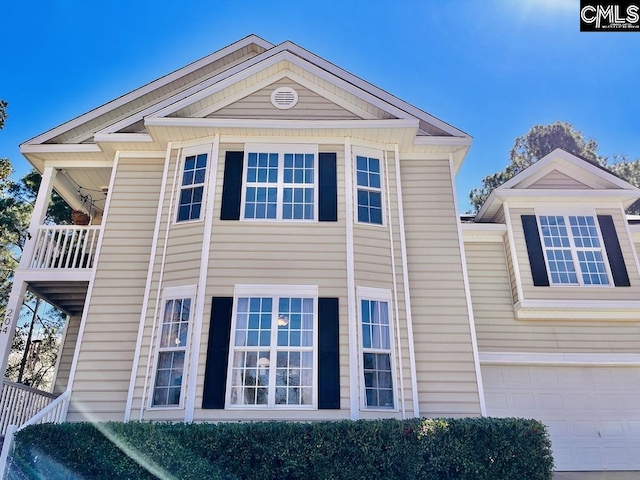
x=560, y=181
x=576, y=293
x=109, y=339
x=443, y=348
x=310, y=106
x=499, y=331
x=512, y=274
x=66, y=350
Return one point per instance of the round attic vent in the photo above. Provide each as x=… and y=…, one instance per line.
x=284, y=98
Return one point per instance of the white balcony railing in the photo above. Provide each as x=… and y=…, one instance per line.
x=21, y=406
x=18, y=403
x=65, y=247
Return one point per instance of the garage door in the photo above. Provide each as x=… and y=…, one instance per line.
x=592, y=413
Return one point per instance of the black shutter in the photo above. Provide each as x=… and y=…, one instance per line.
x=534, y=248
x=614, y=252
x=328, y=188
x=328, y=354
x=215, y=374
x=232, y=186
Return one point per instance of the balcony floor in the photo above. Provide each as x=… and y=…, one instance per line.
x=67, y=296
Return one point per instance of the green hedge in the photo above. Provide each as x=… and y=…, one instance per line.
x=470, y=448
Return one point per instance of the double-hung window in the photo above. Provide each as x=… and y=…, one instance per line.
x=369, y=188
x=194, y=173
x=273, y=355
x=172, y=343
x=376, y=335
x=280, y=182
x=573, y=250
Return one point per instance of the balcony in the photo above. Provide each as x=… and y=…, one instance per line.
x=65, y=247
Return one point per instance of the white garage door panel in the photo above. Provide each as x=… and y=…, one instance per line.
x=592, y=413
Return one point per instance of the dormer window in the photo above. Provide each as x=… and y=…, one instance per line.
x=573, y=250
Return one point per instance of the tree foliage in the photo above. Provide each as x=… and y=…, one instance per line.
x=542, y=140
x=16, y=206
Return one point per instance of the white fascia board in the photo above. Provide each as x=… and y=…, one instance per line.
x=547, y=194
x=483, y=232
x=372, y=89
x=535, y=358
x=60, y=148
x=57, y=274
x=149, y=87
x=602, y=310
x=280, y=124
x=439, y=140
x=122, y=137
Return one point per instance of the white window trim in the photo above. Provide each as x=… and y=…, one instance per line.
x=273, y=291
x=377, y=295
x=173, y=293
x=280, y=149
x=189, y=152
x=566, y=213
x=371, y=153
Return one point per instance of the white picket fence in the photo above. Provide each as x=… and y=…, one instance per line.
x=65, y=246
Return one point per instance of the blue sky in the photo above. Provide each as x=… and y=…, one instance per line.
x=491, y=68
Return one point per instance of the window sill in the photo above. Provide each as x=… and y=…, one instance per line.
x=578, y=310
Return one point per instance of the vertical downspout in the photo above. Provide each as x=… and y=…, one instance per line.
x=407, y=293
x=354, y=378
x=147, y=288
x=194, y=355
x=395, y=285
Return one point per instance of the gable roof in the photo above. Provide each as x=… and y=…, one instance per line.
x=536, y=182
x=161, y=98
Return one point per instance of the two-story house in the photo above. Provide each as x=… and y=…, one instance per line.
x=273, y=237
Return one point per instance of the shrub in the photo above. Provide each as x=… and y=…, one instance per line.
x=464, y=449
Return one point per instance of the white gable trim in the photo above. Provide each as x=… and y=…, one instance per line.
x=373, y=90
x=295, y=78
x=558, y=167
x=269, y=62
x=546, y=165
x=552, y=158
x=139, y=92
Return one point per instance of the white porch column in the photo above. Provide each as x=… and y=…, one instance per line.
x=8, y=326
x=38, y=215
